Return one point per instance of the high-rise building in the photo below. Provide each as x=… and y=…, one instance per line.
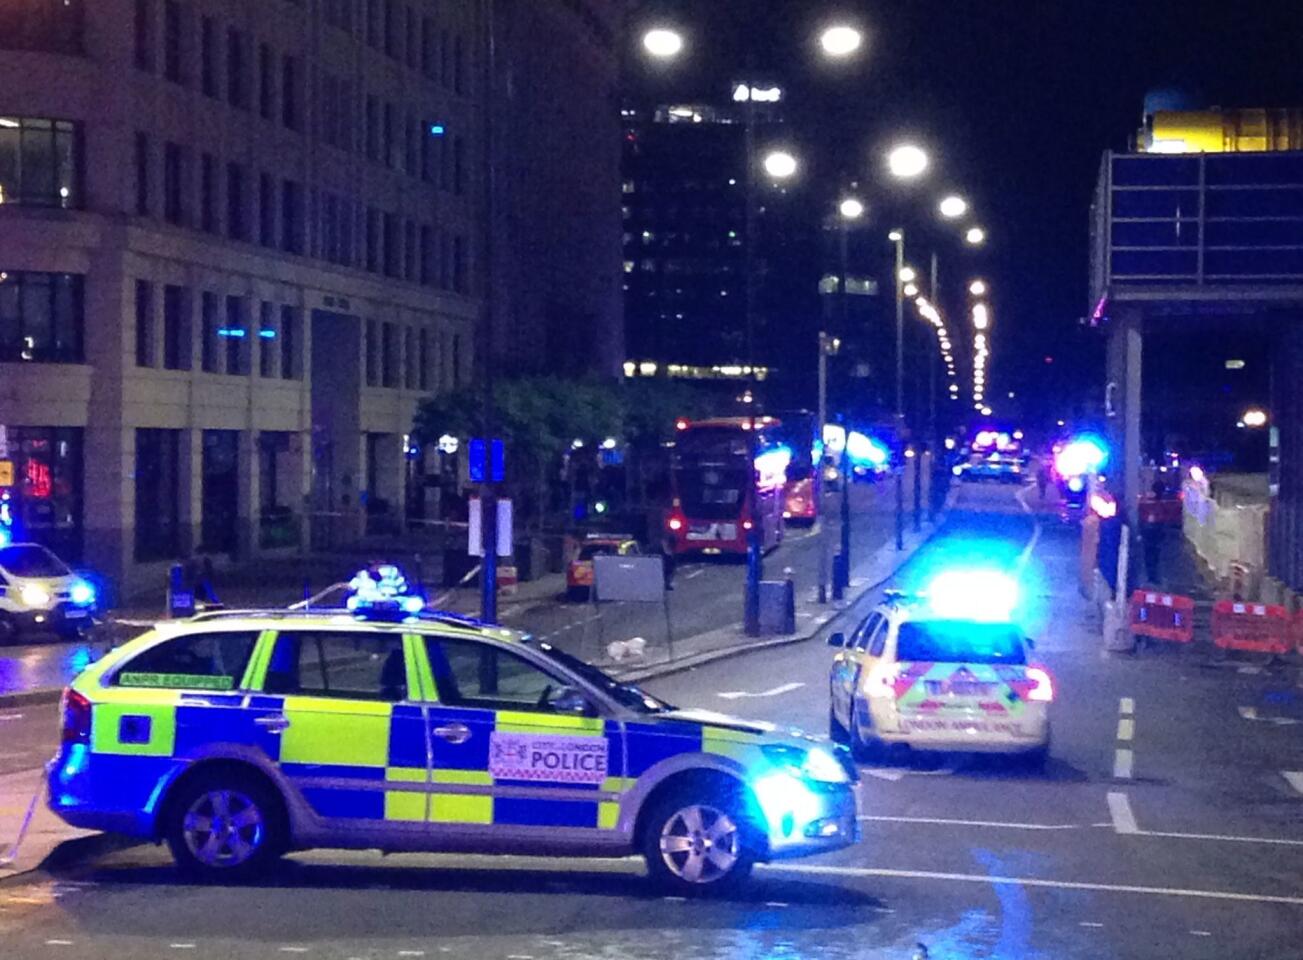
x=240, y=242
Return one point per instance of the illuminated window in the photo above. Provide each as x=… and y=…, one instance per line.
x=38, y=162
x=41, y=317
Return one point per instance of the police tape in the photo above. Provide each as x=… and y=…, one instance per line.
x=10, y=856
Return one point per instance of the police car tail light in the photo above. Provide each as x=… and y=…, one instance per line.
x=76, y=717
x=880, y=684
x=1043, y=689
x=676, y=523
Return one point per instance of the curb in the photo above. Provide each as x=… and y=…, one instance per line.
x=31, y=697
x=738, y=649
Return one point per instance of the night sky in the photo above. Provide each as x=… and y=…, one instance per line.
x=1016, y=99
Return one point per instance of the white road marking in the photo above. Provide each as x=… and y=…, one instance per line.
x=1251, y=713
x=694, y=574
x=1126, y=706
x=891, y=774
x=1249, y=669
x=1122, y=763
x=294, y=949
x=58, y=943
x=947, y=822
x=11, y=716
x=982, y=878
x=773, y=692
x=1201, y=933
x=1294, y=778
x=1126, y=728
x=1091, y=924
x=1219, y=837
x=675, y=899
x=411, y=953
x=775, y=903
x=1119, y=808
x=182, y=946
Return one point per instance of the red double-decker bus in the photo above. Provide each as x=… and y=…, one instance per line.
x=727, y=477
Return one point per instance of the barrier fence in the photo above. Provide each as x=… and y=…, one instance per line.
x=1162, y=616
x=1255, y=627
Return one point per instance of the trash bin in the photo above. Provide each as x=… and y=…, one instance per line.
x=777, y=606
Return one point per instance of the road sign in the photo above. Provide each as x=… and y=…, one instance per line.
x=475, y=528
x=497, y=461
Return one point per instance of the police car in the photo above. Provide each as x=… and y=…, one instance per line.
x=39, y=591
x=949, y=671
x=236, y=737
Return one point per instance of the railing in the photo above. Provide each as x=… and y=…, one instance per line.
x=1197, y=221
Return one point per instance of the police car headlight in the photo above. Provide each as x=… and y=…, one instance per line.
x=814, y=764
x=34, y=596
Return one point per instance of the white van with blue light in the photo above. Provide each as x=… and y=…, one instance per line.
x=38, y=591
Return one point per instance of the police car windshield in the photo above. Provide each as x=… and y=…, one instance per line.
x=32, y=561
x=628, y=695
x=959, y=641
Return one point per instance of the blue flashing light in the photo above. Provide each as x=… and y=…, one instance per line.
x=786, y=800
x=267, y=334
x=865, y=450
x=82, y=594
x=437, y=130
x=412, y=605
x=1084, y=454
x=237, y=332
x=1076, y=484
x=6, y=537
x=381, y=592
x=986, y=595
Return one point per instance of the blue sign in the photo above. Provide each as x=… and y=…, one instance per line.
x=497, y=461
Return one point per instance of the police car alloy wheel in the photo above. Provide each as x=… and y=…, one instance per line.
x=223, y=827
x=695, y=845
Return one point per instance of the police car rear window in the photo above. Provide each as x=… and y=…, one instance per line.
x=201, y=661
x=959, y=641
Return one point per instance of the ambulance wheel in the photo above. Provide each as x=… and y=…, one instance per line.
x=8, y=628
x=700, y=841
x=225, y=826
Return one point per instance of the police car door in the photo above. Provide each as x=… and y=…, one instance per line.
x=338, y=703
x=509, y=753
x=847, y=665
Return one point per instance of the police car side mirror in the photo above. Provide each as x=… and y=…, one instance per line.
x=572, y=701
x=837, y=640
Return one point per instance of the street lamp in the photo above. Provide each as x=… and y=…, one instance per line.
x=663, y=43
x=780, y=165
x=841, y=40
x=977, y=288
x=953, y=207
x=907, y=161
x=851, y=208
x=911, y=290
x=975, y=236
x=908, y=275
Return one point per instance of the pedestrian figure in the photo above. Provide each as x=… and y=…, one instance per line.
x=667, y=560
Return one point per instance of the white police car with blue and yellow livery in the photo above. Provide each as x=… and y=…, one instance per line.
x=237, y=737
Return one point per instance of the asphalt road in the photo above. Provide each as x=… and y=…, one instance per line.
x=1191, y=848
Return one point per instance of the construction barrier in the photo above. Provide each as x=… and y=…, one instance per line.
x=1257, y=627
x=1162, y=616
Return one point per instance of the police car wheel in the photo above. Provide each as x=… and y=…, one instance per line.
x=224, y=827
x=863, y=746
x=836, y=732
x=696, y=846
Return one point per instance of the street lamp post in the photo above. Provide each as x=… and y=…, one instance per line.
x=898, y=237
x=841, y=569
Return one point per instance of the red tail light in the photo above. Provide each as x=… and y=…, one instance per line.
x=1043, y=687
x=676, y=523
x=748, y=525
x=76, y=717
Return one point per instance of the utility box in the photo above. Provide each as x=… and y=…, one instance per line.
x=777, y=606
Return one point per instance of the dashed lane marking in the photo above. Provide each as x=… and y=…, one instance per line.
x=1251, y=713
x=1123, y=760
x=1091, y=924
x=1126, y=728
x=58, y=943
x=811, y=869
x=181, y=946
x=694, y=574
x=1126, y=706
x=1201, y=933
x=4, y=717
x=1119, y=808
x=1294, y=778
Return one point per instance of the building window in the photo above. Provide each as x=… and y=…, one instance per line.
x=291, y=343
x=174, y=186
x=339, y=13
x=372, y=127
x=176, y=328
x=158, y=459
x=388, y=153
x=373, y=24
x=142, y=173
x=144, y=323
x=236, y=334
x=423, y=360
x=237, y=225
x=266, y=90
x=144, y=35
x=427, y=255
x=290, y=92
x=445, y=260
x=409, y=251
x=459, y=166
x=267, y=337
x=208, y=57
x=291, y=216
x=445, y=58
x=460, y=279
x=412, y=154
x=208, y=193
x=38, y=162
x=445, y=164
x=41, y=317
x=409, y=358
x=48, y=26
x=389, y=355
x=237, y=89
x=459, y=66
x=208, y=334
x=372, y=353
x=392, y=243
x=266, y=210
x=456, y=360
x=391, y=29
x=174, y=53
x=372, y=239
